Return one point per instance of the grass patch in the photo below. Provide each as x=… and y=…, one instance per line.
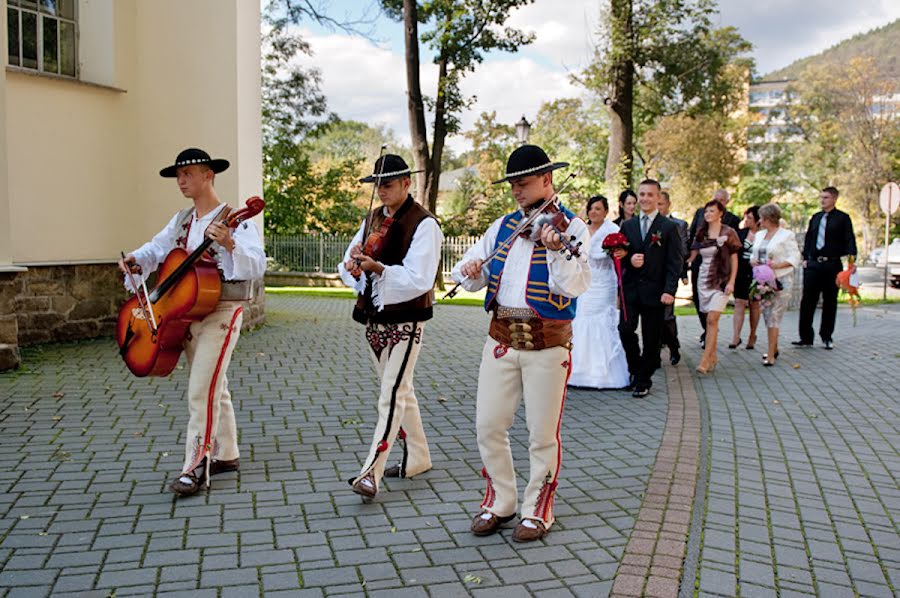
x=462, y=298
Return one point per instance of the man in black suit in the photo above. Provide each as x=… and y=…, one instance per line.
x=651, y=266
x=670, y=324
x=729, y=219
x=828, y=238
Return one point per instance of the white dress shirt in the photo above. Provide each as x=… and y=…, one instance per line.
x=568, y=278
x=402, y=282
x=246, y=262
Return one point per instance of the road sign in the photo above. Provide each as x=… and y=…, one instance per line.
x=890, y=198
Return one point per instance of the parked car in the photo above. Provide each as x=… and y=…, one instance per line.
x=878, y=255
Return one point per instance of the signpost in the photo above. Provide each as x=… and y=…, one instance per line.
x=890, y=202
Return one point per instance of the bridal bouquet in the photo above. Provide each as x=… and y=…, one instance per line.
x=611, y=243
x=764, y=286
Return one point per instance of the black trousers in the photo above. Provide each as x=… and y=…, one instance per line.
x=641, y=365
x=818, y=280
x=669, y=335
x=695, y=294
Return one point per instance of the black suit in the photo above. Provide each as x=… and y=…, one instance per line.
x=670, y=324
x=643, y=288
x=728, y=219
x=822, y=266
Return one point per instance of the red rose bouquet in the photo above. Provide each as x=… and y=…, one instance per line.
x=611, y=243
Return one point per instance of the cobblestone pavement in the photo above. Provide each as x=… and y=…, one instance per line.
x=803, y=464
x=87, y=450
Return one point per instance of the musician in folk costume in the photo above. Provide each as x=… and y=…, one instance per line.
x=211, y=442
x=531, y=291
x=392, y=263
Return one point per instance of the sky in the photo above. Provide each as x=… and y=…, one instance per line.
x=364, y=78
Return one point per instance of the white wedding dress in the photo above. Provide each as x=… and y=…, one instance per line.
x=598, y=359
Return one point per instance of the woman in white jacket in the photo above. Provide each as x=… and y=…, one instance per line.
x=776, y=247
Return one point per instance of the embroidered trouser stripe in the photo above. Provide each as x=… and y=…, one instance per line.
x=397, y=406
x=212, y=429
x=504, y=380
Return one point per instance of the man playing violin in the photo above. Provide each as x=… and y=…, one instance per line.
x=531, y=291
x=211, y=441
x=392, y=263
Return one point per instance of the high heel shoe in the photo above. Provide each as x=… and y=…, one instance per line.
x=735, y=345
x=707, y=366
x=751, y=342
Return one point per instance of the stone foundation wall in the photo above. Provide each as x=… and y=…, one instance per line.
x=65, y=303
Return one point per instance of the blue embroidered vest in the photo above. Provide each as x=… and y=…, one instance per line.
x=547, y=305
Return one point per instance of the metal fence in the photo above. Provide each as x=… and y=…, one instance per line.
x=322, y=253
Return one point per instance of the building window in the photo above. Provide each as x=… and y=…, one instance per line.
x=42, y=35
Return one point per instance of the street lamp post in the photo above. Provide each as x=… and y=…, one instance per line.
x=522, y=128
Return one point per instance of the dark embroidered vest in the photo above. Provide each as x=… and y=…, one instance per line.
x=406, y=220
x=183, y=229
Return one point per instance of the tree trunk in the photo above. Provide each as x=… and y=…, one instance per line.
x=620, y=160
x=415, y=103
x=440, y=134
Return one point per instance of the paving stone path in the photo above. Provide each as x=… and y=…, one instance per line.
x=87, y=450
x=803, y=461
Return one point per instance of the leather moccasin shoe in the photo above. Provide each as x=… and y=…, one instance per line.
x=485, y=524
x=529, y=530
x=365, y=487
x=220, y=466
x=392, y=472
x=190, y=483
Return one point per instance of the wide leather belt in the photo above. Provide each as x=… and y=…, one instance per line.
x=529, y=333
x=822, y=259
x=235, y=290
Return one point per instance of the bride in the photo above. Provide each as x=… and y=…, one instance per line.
x=598, y=359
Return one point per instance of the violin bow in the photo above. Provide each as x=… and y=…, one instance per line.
x=519, y=228
x=369, y=218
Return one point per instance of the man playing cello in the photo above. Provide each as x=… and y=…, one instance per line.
x=211, y=442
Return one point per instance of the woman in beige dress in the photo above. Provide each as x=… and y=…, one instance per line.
x=777, y=247
x=719, y=245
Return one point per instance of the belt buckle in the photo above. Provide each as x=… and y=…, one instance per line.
x=822, y=259
x=519, y=327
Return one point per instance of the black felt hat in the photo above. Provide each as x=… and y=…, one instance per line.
x=528, y=160
x=387, y=168
x=193, y=155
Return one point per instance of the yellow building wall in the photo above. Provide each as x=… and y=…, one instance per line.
x=84, y=160
x=5, y=239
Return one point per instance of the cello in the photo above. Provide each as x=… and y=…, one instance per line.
x=152, y=327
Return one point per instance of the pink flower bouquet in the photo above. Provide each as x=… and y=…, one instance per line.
x=764, y=286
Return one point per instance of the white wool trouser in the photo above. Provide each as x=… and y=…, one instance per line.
x=506, y=377
x=212, y=430
x=395, y=350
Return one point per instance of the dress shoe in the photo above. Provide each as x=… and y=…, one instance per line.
x=801, y=344
x=640, y=392
x=365, y=487
x=485, y=523
x=221, y=466
x=674, y=357
x=630, y=385
x=829, y=345
x=190, y=483
x=529, y=530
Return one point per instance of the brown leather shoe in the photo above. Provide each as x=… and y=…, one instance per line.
x=392, y=472
x=365, y=487
x=190, y=483
x=221, y=466
x=485, y=523
x=529, y=530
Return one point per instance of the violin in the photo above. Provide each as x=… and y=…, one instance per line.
x=152, y=327
x=553, y=216
x=374, y=245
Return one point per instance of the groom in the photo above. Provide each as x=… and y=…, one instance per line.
x=651, y=266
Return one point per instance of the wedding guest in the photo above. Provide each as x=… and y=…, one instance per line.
x=776, y=247
x=598, y=358
x=718, y=245
x=627, y=206
x=742, y=302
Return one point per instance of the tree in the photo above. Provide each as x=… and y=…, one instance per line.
x=462, y=32
x=660, y=58
x=850, y=126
